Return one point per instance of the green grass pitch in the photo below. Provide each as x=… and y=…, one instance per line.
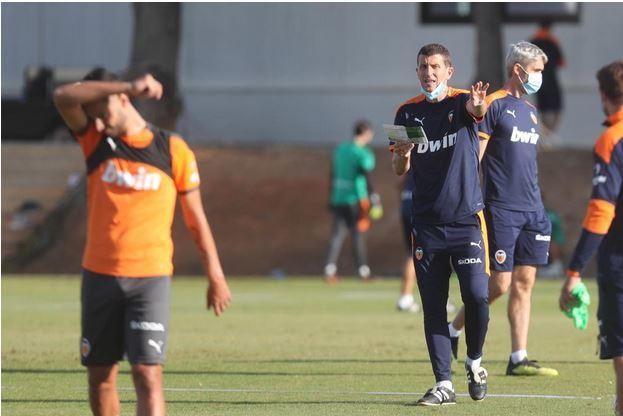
x=295, y=347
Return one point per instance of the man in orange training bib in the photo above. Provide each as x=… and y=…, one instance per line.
x=135, y=172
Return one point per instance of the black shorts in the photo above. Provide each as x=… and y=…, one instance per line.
x=347, y=214
x=124, y=316
x=610, y=310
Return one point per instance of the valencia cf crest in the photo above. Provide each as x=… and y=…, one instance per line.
x=419, y=253
x=450, y=116
x=500, y=256
x=533, y=117
x=85, y=347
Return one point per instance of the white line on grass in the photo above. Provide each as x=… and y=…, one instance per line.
x=365, y=393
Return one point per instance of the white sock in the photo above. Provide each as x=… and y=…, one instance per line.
x=453, y=331
x=517, y=356
x=364, y=271
x=406, y=301
x=445, y=383
x=473, y=364
x=330, y=269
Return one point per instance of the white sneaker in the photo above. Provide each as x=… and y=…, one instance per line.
x=406, y=303
x=330, y=270
x=364, y=272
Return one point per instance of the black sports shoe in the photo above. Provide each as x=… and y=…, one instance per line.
x=454, y=344
x=528, y=367
x=476, y=383
x=437, y=396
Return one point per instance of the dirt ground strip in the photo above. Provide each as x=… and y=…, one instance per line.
x=268, y=210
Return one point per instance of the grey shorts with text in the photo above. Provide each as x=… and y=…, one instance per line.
x=124, y=317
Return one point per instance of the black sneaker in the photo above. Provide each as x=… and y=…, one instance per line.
x=528, y=367
x=454, y=344
x=437, y=396
x=476, y=383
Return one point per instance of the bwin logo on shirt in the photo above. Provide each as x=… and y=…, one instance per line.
x=141, y=181
x=524, y=136
x=448, y=140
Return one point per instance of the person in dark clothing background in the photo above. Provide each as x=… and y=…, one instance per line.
x=549, y=97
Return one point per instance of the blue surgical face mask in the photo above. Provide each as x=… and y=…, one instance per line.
x=434, y=94
x=533, y=83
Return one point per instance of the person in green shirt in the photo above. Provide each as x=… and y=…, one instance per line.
x=351, y=193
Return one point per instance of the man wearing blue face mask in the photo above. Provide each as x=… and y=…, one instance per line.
x=519, y=228
x=447, y=220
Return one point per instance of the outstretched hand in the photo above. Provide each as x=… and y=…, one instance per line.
x=478, y=93
x=146, y=86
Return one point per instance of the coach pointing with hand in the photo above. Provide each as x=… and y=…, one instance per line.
x=448, y=225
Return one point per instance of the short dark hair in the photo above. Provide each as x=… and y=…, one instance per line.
x=101, y=74
x=610, y=79
x=435, y=49
x=361, y=126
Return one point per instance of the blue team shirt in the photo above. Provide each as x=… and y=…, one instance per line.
x=444, y=171
x=510, y=172
x=603, y=223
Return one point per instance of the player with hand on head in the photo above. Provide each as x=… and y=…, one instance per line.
x=135, y=173
x=602, y=230
x=518, y=225
x=447, y=215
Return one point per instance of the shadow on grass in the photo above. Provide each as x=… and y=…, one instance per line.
x=332, y=361
x=270, y=403
x=82, y=370
x=388, y=361
x=200, y=372
x=227, y=402
x=54, y=401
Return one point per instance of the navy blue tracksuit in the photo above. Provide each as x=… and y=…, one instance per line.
x=448, y=225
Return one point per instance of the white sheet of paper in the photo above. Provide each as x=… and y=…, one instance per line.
x=399, y=134
x=396, y=133
x=420, y=136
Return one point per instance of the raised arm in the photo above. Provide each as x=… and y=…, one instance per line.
x=477, y=105
x=219, y=295
x=70, y=98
